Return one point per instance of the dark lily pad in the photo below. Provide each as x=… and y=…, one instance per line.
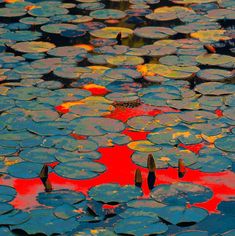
x=193, y=233
x=51, y=224
x=14, y=217
x=179, y=214
x=59, y=197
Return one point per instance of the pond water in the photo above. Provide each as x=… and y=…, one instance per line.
x=117, y=117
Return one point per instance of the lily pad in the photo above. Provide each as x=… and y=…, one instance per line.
x=111, y=32
x=80, y=170
x=181, y=193
x=51, y=224
x=179, y=214
x=96, y=126
x=39, y=155
x=226, y=143
x=140, y=225
x=109, y=140
x=33, y=46
x=60, y=197
x=107, y=14
x=7, y=193
x=153, y=32
x=25, y=170
x=109, y=193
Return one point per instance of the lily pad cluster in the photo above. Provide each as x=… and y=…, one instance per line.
x=68, y=68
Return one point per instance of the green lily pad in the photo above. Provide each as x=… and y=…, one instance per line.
x=47, y=11
x=70, y=72
x=33, y=46
x=181, y=193
x=111, y=32
x=108, y=140
x=68, y=51
x=7, y=193
x=25, y=170
x=59, y=197
x=109, y=193
x=215, y=88
x=226, y=143
x=84, y=169
x=94, y=126
x=216, y=60
x=104, y=14
x=215, y=75
x=93, y=106
x=39, y=155
x=229, y=113
x=12, y=12
x=75, y=156
x=34, y=20
x=14, y=217
x=140, y=225
x=122, y=97
x=51, y=224
x=65, y=211
x=70, y=144
x=144, y=123
x=193, y=233
x=179, y=214
x=143, y=146
x=165, y=157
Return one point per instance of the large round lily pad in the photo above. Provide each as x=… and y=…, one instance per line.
x=84, y=169
x=33, y=46
x=25, y=170
x=153, y=32
x=60, y=197
x=111, y=32
x=181, y=193
x=179, y=214
x=39, y=155
x=109, y=193
x=104, y=14
x=51, y=224
x=96, y=126
x=140, y=225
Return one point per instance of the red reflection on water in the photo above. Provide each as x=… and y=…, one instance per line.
x=121, y=169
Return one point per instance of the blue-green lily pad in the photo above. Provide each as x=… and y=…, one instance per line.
x=108, y=193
